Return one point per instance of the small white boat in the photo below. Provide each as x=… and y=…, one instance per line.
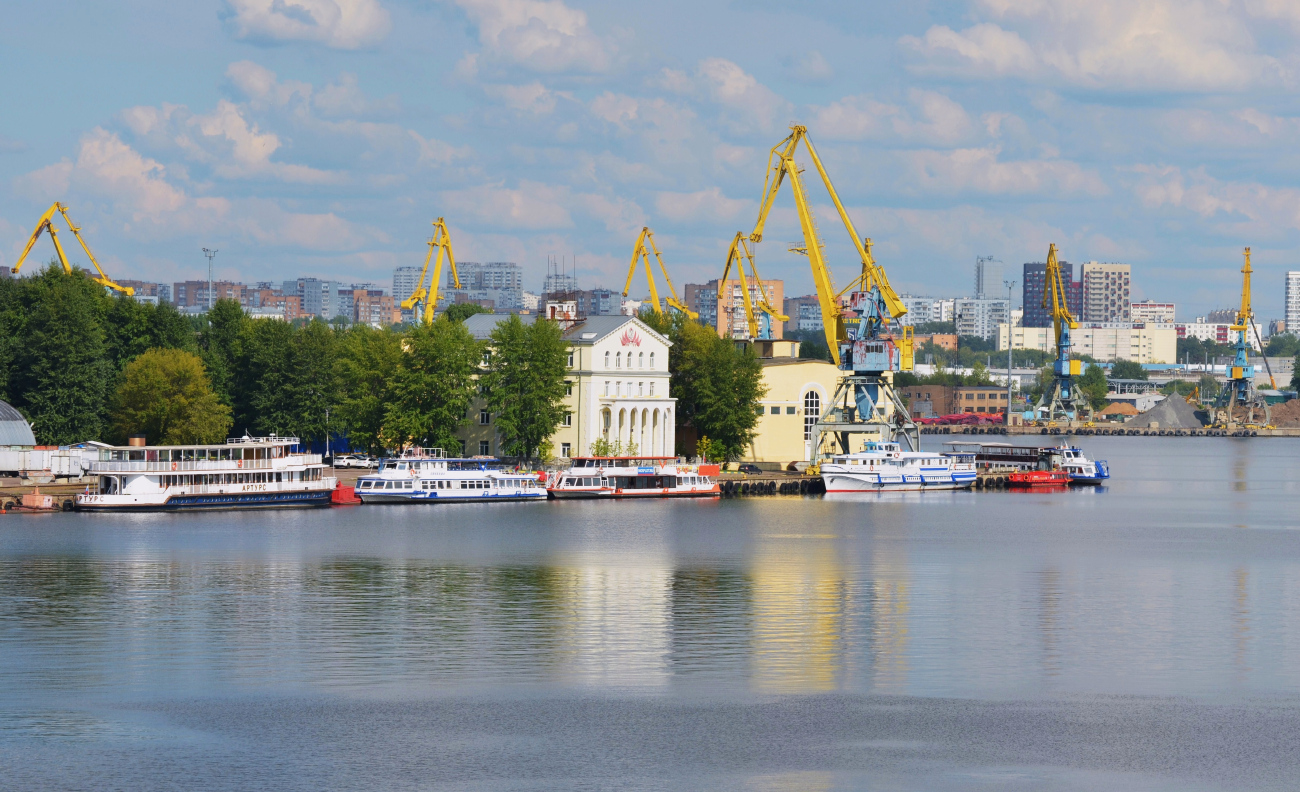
x=246, y=472
x=1082, y=471
x=885, y=467
x=422, y=475
x=634, y=477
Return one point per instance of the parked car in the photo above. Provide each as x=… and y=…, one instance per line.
x=353, y=461
x=749, y=468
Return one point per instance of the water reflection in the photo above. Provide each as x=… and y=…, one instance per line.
x=799, y=601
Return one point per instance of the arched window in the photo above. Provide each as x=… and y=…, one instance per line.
x=640, y=360
x=607, y=360
x=618, y=360
x=652, y=361
x=812, y=410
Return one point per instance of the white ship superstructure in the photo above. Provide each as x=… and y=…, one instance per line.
x=246, y=472
x=633, y=477
x=422, y=475
x=885, y=467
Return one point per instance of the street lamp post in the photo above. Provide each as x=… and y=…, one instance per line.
x=1008, y=284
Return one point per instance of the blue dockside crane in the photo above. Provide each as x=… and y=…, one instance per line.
x=1240, y=403
x=1062, y=402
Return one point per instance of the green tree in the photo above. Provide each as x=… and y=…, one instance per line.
x=1094, y=387
x=979, y=375
x=165, y=395
x=60, y=372
x=131, y=328
x=524, y=383
x=312, y=385
x=1283, y=345
x=1127, y=369
x=717, y=386
x=367, y=362
x=262, y=378
x=221, y=345
x=1210, y=386
x=433, y=386
x=459, y=312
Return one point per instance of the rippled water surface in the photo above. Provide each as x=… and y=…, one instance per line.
x=1141, y=636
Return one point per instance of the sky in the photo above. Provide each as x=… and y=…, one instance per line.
x=321, y=137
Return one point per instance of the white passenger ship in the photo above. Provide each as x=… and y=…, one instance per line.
x=246, y=472
x=423, y=475
x=632, y=477
x=885, y=467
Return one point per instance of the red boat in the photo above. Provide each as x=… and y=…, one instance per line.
x=1040, y=478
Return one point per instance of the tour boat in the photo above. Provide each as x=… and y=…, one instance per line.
x=427, y=475
x=990, y=456
x=1039, y=478
x=632, y=477
x=885, y=467
x=245, y=472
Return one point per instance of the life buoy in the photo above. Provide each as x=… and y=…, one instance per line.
x=173, y=466
x=239, y=463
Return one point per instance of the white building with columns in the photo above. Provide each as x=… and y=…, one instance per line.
x=617, y=389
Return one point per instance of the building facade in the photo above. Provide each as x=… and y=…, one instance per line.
x=617, y=389
x=981, y=317
x=1034, y=280
x=1150, y=311
x=932, y=401
x=1106, y=292
x=988, y=277
x=798, y=392
x=805, y=313
x=1141, y=343
x=1218, y=332
x=919, y=309
x=1292, y=296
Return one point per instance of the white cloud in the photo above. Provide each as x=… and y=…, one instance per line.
x=544, y=35
x=1103, y=44
x=742, y=94
x=934, y=118
x=979, y=170
x=531, y=206
x=703, y=206
x=813, y=67
x=533, y=98
x=341, y=24
x=1247, y=206
x=437, y=152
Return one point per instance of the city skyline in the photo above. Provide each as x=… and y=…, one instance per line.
x=324, y=140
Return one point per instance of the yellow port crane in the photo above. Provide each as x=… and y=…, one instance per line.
x=758, y=323
x=1239, y=402
x=46, y=224
x=1061, y=402
x=441, y=241
x=857, y=329
x=645, y=243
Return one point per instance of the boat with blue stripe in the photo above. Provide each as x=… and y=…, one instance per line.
x=427, y=475
x=886, y=467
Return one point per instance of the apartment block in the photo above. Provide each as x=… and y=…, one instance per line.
x=1220, y=332
x=1150, y=311
x=373, y=307
x=1032, y=283
x=805, y=313
x=1141, y=343
x=1106, y=290
x=919, y=309
x=1292, y=310
x=988, y=277
x=195, y=293
x=981, y=317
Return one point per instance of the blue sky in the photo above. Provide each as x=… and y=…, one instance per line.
x=320, y=137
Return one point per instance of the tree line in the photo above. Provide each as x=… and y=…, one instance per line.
x=81, y=364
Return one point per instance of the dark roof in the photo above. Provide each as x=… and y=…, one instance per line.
x=14, y=429
x=789, y=361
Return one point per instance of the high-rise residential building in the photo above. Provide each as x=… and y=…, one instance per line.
x=1151, y=311
x=977, y=317
x=988, y=277
x=1292, y=315
x=805, y=313
x=373, y=307
x=731, y=321
x=1106, y=289
x=919, y=309
x=405, y=281
x=319, y=297
x=195, y=293
x=1034, y=279
x=500, y=282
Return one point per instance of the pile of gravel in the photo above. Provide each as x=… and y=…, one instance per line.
x=1172, y=413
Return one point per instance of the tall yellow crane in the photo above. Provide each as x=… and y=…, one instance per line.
x=1239, y=402
x=46, y=224
x=440, y=241
x=758, y=323
x=645, y=243
x=1062, y=403
x=865, y=402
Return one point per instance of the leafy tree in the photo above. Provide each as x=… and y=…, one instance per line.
x=1283, y=345
x=524, y=383
x=433, y=386
x=165, y=395
x=812, y=344
x=313, y=386
x=262, y=378
x=13, y=319
x=1094, y=387
x=221, y=345
x=459, y=312
x=979, y=375
x=717, y=385
x=930, y=328
x=1127, y=369
x=1210, y=386
x=131, y=328
x=366, y=362
x=1295, y=373
x=61, y=373
x=602, y=447
x=707, y=450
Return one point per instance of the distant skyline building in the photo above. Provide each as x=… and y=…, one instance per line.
x=1151, y=311
x=1106, y=292
x=988, y=277
x=405, y=281
x=1034, y=279
x=976, y=317
x=1291, y=310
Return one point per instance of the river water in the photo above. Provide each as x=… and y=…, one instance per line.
x=1141, y=636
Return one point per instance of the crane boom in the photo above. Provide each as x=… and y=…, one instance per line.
x=441, y=240
x=640, y=252
x=46, y=224
x=781, y=165
x=739, y=254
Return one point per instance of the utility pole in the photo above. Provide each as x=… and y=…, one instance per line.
x=211, y=254
x=1008, y=284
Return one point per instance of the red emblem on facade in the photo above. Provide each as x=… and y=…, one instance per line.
x=630, y=338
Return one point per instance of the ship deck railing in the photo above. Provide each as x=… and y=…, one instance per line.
x=193, y=465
